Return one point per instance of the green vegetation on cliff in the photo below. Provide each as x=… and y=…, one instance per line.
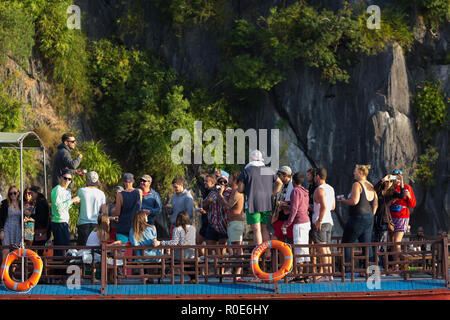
x=431, y=111
x=260, y=53
x=16, y=32
x=12, y=119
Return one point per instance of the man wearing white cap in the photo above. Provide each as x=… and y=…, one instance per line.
x=258, y=183
x=92, y=200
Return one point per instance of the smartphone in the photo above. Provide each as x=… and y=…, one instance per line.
x=393, y=177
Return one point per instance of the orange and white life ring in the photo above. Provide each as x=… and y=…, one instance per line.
x=32, y=281
x=285, y=250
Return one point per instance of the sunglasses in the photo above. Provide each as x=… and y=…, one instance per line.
x=143, y=181
x=13, y=193
x=71, y=141
x=222, y=182
x=398, y=172
x=28, y=193
x=67, y=179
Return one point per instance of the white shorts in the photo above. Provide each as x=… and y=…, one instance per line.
x=301, y=236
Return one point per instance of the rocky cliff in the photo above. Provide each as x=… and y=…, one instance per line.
x=367, y=121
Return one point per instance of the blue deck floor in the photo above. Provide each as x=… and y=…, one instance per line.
x=213, y=287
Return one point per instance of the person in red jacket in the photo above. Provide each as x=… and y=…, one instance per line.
x=399, y=208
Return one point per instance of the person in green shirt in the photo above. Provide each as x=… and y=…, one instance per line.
x=61, y=203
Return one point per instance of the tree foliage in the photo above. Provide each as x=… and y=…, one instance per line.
x=431, y=109
x=12, y=114
x=140, y=106
x=16, y=32
x=260, y=53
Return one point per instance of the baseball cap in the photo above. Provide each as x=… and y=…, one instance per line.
x=92, y=178
x=285, y=169
x=118, y=188
x=128, y=177
x=146, y=177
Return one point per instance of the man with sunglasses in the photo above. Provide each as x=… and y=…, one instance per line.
x=63, y=158
x=61, y=203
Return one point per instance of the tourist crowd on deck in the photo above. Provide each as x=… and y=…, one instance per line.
x=256, y=197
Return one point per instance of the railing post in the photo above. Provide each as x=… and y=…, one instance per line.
x=103, y=268
x=445, y=258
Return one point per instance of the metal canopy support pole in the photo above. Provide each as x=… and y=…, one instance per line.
x=45, y=175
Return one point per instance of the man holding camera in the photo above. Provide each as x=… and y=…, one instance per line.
x=216, y=231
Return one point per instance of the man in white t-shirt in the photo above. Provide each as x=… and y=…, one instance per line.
x=324, y=202
x=92, y=201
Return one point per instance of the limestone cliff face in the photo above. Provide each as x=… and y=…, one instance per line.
x=30, y=87
x=367, y=121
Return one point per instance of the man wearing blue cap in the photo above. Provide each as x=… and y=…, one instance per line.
x=128, y=202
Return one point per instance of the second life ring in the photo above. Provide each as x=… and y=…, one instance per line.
x=285, y=250
x=35, y=276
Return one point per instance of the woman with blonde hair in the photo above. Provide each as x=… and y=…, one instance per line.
x=363, y=204
x=142, y=234
x=11, y=219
